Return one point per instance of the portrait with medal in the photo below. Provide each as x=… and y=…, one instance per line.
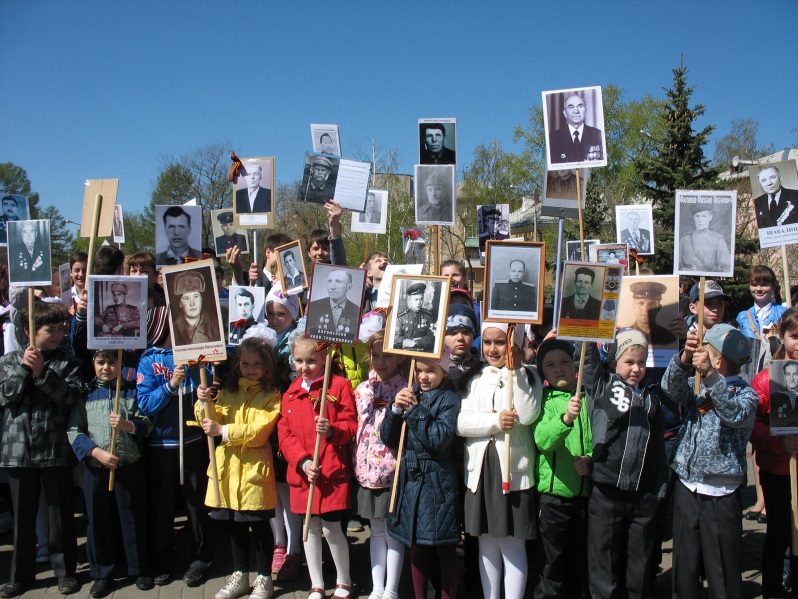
x=336, y=294
x=416, y=324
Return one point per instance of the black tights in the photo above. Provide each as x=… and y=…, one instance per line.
x=420, y=558
x=264, y=546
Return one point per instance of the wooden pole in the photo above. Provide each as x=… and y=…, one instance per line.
x=700, y=330
x=581, y=217
x=255, y=247
x=509, y=408
x=95, y=221
x=317, y=449
x=117, y=401
x=211, y=447
x=366, y=255
x=785, y=272
x=31, y=320
x=794, y=495
x=395, y=485
x=581, y=369
x=180, y=424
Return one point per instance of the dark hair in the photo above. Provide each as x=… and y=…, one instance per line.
x=788, y=322
x=44, y=314
x=275, y=240
x=319, y=236
x=455, y=263
x=111, y=353
x=764, y=275
x=584, y=270
x=273, y=374
x=4, y=284
x=78, y=257
x=325, y=134
x=12, y=198
x=175, y=212
x=289, y=253
x=427, y=126
x=107, y=261
x=244, y=292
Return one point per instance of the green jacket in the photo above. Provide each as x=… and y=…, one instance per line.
x=559, y=444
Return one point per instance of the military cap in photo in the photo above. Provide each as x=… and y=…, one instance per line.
x=437, y=177
x=701, y=207
x=649, y=290
x=416, y=288
x=491, y=211
x=187, y=282
x=226, y=218
x=321, y=161
x=118, y=287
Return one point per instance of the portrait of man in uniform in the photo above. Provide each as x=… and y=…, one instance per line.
x=229, y=237
x=513, y=281
x=647, y=304
x=119, y=318
x=702, y=249
x=633, y=235
x=29, y=260
x=514, y=293
x=784, y=394
x=318, y=183
x=417, y=323
x=434, y=194
x=490, y=219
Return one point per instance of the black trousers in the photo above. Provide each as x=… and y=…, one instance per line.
x=127, y=504
x=621, y=540
x=26, y=485
x=562, y=533
x=776, y=489
x=264, y=546
x=163, y=480
x=708, y=528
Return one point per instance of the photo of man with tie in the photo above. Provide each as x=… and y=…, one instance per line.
x=581, y=304
x=636, y=236
x=334, y=309
x=778, y=205
x=572, y=141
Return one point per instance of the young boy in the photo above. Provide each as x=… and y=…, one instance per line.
x=38, y=389
x=629, y=467
x=710, y=460
x=563, y=438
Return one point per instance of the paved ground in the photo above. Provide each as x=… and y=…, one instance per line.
x=753, y=537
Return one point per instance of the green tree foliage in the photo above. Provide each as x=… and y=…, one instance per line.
x=14, y=179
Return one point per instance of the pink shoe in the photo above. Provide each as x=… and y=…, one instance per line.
x=292, y=568
x=278, y=558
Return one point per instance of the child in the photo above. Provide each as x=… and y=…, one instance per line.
x=502, y=521
x=38, y=389
x=244, y=415
x=563, y=439
x=375, y=463
x=90, y=427
x=710, y=460
x=298, y=426
x=461, y=327
x=760, y=322
x=629, y=467
x=427, y=511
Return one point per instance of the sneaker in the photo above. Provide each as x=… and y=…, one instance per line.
x=292, y=568
x=263, y=588
x=236, y=585
x=278, y=558
x=195, y=575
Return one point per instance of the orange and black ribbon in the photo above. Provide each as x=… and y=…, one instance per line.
x=198, y=362
x=235, y=168
x=188, y=259
x=510, y=359
x=634, y=256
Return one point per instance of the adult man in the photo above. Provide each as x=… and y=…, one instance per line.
x=230, y=238
x=783, y=408
x=191, y=324
x=636, y=238
x=335, y=317
x=10, y=212
x=253, y=198
x=647, y=303
x=118, y=319
x=561, y=184
x=415, y=327
x=581, y=304
x=438, y=207
x=433, y=148
x=514, y=294
x=245, y=303
x=703, y=249
x=778, y=205
x=375, y=266
x=318, y=188
x=31, y=260
x=576, y=142
x=372, y=212
x=293, y=276
x=327, y=145
x=491, y=217
x=177, y=226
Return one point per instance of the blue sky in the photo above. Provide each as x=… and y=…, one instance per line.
x=92, y=89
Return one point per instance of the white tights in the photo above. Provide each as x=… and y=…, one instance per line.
x=387, y=557
x=286, y=526
x=512, y=551
x=339, y=549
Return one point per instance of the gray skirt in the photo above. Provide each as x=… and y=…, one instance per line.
x=373, y=503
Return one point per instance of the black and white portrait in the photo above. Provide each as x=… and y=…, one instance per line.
x=784, y=397
x=574, y=125
x=584, y=311
x=225, y=233
x=434, y=190
x=246, y=309
x=326, y=139
x=514, y=277
x=14, y=208
x=634, y=226
x=608, y=253
x=650, y=304
x=292, y=268
x=437, y=141
x=774, y=187
x=65, y=284
x=493, y=223
x=117, y=312
x=336, y=294
x=253, y=203
x=573, y=250
x=178, y=234
x=119, y=224
x=705, y=233
x=560, y=193
x=318, y=179
x=29, y=252
x=375, y=217
x=416, y=325
x=384, y=292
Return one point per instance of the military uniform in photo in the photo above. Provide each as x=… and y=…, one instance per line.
x=121, y=319
x=237, y=330
x=659, y=335
x=508, y=295
x=323, y=193
x=784, y=409
x=415, y=326
x=704, y=250
x=225, y=242
x=31, y=264
x=334, y=322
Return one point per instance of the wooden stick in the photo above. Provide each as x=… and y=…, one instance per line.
x=436, y=259
x=366, y=257
x=700, y=330
x=793, y=481
x=31, y=320
x=785, y=273
x=95, y=222
x=581, y=218
x=395, y=485
x=509, y=408
x=317, y=450
x=180, y=425
x=255, y=247
x=301, y=310
x=211, y=447
x=117, y=401
x=581, y=369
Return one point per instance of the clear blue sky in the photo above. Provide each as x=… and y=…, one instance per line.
x=97, y=89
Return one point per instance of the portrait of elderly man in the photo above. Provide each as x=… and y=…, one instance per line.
x=513, y=293
x=120, y=318
x=636, y=238
x=436, y=206
x=245, y=307
x=254, y=197
x=415, y=326
x=433, y=145
x=10, y=212
x=561, y=184
x=191, y=323
x=177, y=229
x=784, y=404
x=29, y=260
x=647, y=304
x=318, y=188
x=778, y=205
x=335, y=316
x=491, y=221
x=703, y=250
x=293, y=276
x=581, y=304
x=229, y=238
x=575, y=141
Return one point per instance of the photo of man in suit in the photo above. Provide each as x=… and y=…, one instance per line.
x=581, y=304
x=177, y=228
x=784, y=405
x=253, y=198
x=433, y=145
x=633, y=236
x=576, y=141
x=230, y=238
x=778, y=205
x=372, y=212
x=327, y=144
x=335, y=317
x=245, y=305
x=10, y=213
x=514, y=293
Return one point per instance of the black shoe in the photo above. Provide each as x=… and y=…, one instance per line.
x=68, y=585
x=752, y=515
x=195, y=575
x=145, y=583
x=762, y=519
x=100, y=587
x=162, y=579
x=13, y=589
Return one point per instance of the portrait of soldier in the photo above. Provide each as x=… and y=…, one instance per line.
x=636, y=238
x=191, y=323
x=436, y=206
x=415, y=326
x=229, y=238
x=647, y=304
x=318, y=188
x=703, y=249
x=513, y=293
x=335, y=316
x=783, y=407
x=575, y=141
x=29, y=260
x=120, y=318
x=778, y=205
x=245, y=306
x=491, y=226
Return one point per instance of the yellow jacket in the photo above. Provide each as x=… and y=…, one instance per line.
x=244, y=459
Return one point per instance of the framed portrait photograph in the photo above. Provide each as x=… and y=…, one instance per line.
x=608, y=253
x=574, y=124
x=437, y=141
x=15, y=207
x=325, y=177
x=774, y=187
x=107, y=189
x=178, y=233
x=336, y=295
x=783, y=396
x=117, y=312
x=253, y=194
x=704, y=235
x=29, y=259
x=515, y=271
x=195, y=316
x=247, y=307
x=650, y=304
x=119, y=224
x=375, y=217
x=384, y=292
x=65, y=284
x=225, y=233
x=416, y=325
x=560, y=193
x=326, y=139
x=493, y=223
x=634, y=226
x=589, y=301
x=435, y=194
x=291, y=268
x=573, y=249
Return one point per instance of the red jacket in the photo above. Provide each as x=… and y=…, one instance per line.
x=769, y=451
x=297, y=433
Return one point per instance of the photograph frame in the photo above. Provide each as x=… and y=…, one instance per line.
x=559, y=144
x=221, y=240
x=258, y=296
x=317, y=131
x=194, y=236
x=103, y=312
x=448, y=153
x=249, y=218
x=690, y=257
x=21, y=261
x=119, y=224
x=108, y=190
x=444, y=176
x=379, y=228
x=773, y=234
x=65, y=284
x=783, y=417
x=483, y=233
x=21, y=210
x=599, y=252
x=292, y=248
x=573, y=250
x=499, y=257
x=439, y=292
x=321, y=324
x=384, y=292
x=643, y=240
x=600, y=318
x=660, y=352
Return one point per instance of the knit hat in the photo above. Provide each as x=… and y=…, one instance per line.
x=461, y=316
x=625, y=338
x=550, y=345
x=157, y=325
x=290, y=302
x=730, y=342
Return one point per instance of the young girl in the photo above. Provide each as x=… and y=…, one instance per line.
x=375, y=463
x=298, y=426
x=426, y=513
x=503, y=522
x=244, y=415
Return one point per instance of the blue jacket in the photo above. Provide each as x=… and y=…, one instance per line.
x=776, y=311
